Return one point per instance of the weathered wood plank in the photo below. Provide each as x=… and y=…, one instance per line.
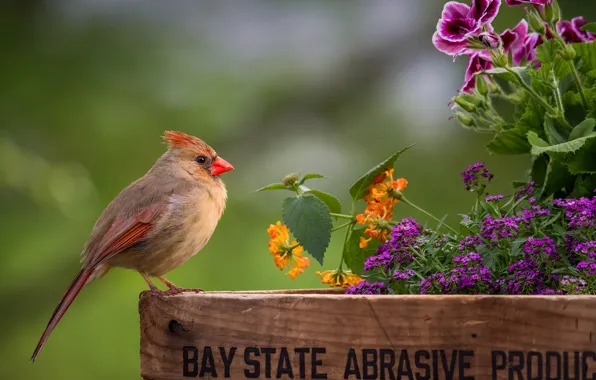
x=495, y=336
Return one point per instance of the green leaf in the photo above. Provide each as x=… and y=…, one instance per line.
x=274, y=186
x=587, y=52
x=501, y=73
x=548, y=53
x=309, y=221
x=331, y=202
x=540, y=146
x=554, y=132
x=574, y=108
x=583, y=129
x=584, y=160
x=585, y=186
x=511, y=141
x=355, y=256
x=308, y=176
x=359, y=188
x=591, y=27
x=558, y=180
x=539, y=168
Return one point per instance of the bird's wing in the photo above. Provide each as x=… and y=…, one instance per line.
x=124, y=232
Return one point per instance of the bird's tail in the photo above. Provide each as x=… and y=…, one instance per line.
x=67, y=298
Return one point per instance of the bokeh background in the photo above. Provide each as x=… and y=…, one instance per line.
x=88, y=87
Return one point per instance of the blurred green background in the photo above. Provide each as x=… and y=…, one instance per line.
x=88, y=87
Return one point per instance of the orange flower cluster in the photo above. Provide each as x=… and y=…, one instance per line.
x=339, y=278
x=286, y=253
x=383, y=194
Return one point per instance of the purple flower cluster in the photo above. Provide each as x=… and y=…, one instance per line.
x=403, y=274
x=531, y=213
x=404, y=241
x=470, y=243
x=525, y=278
x=494, y=198
x=365, y=287
x=466, y=30
x=573, y=284
x=526, y=190
x=541, y=248
x=495, y=229
x=467, y=276
x=579, y=212
x=476, y=177
x=587, y=251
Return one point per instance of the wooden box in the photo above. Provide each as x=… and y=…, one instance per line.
x=328, y=335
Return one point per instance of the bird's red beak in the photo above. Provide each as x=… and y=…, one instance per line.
x=220, y=166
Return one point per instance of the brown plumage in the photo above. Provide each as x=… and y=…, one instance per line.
x=157, y=222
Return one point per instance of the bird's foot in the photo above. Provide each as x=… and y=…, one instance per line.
x=174, y=290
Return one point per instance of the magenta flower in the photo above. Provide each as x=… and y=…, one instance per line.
x=520, y=44
x=571, y=31
x=459, y=23
x=478, y=62
x=513, y=3
x=513, y=39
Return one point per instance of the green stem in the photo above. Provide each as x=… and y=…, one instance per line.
x=342, y=226
x=580, y=89
x=406, y=201
x=342, y=216
x=550, y=109
x=348, y=231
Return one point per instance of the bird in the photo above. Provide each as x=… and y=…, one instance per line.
x=156, y=223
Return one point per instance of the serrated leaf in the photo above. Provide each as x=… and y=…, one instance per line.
x=273, y=186
x=584, y=160
x=308, y=176
x=558, y=179
x=501, y=73
x=583, y=129
x=548, y=53
x=554, y=133
x=332, y=203
x=359, y=188
x=309, y=221
x=355, y=256
x=511, y=141
x=540, y=146
x=587, y=52
x=539, y=168
x=591, y=27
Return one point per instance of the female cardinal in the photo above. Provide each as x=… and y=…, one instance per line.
x=156, y=223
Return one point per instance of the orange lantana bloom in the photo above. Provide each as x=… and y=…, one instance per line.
x=286, y=253
x=339, y=278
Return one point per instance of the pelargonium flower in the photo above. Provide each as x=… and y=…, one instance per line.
x=476, y=176
x=478, y=62
x=365, y=287
x=513, y=3
x=459, y=23
x=571, y=31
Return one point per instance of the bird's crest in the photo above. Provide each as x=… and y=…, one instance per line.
x=182, y=140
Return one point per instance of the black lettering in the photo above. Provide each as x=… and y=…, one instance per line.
x=369, y=362
x=301, y=360
x=208, y=363
x=314, y=362
x=497, y=367
x=435, y=365
x=550, y=357
x=418, y=355
x=268, y=351
x=534, y=356
x=403, y=367
x=352, y=365
x=227, y=359
x=463, y=364
x=516, y=368
x=449, y=369
x=585, y=356
x=387, y=365
x=575, y=366
x=284, y=366
x=256, y=373
x=190, y=363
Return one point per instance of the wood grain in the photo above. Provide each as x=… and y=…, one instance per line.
x=504, y=337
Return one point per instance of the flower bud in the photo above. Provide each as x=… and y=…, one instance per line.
x=290, y=180
x=475, y=100
x=481, y=85
x=546, y=12
x=490, y=40
x=556, y=11
x=568, y=53
x=465, y=119
x=464, y=104
x=499, y=58
x=536, y=22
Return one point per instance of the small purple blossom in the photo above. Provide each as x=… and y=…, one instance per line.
x=544, y=247
x=404, y=241
x=494, y=230
x=528, y=214
x=403, y=274
x=365, y=287
x=470, y=243
x=580, y=213
x=468, y=276
x=525, y=191
x=476, y=177
x=494, y=198
x=587, y=266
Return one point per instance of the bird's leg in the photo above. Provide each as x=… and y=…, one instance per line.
x=173, y=289
x=152, y=286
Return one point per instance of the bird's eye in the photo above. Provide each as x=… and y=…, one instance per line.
x=201, y=159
